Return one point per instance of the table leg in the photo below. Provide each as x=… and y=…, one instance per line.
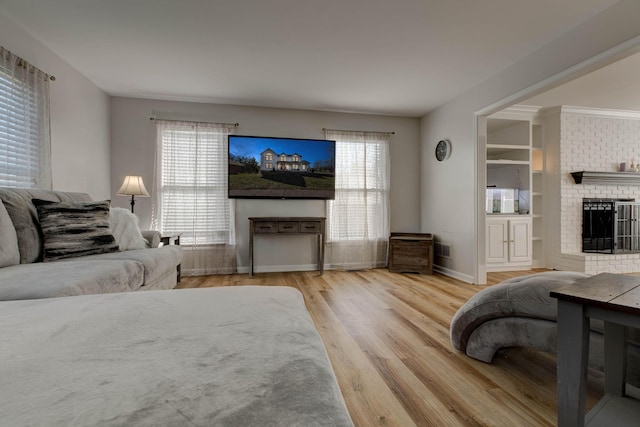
x=251, y=249
x=320, y=253
x=615, y=358
x=573, y=353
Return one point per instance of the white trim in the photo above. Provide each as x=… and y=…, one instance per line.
x=599, y=112
x=517, y=112
x=479, y=223
x=451, y=273
x=281, y=268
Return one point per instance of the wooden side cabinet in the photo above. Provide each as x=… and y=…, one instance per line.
x=411, y=253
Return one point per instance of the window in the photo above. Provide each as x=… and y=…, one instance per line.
x=191, y=182
x=358, y=218
x=25, y=148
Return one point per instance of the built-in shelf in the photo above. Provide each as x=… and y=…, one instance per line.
x=606, y=178
x=513, y=148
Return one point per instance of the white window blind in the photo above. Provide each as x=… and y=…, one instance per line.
x=191, y=182
x=25, y=149
x=358, y=217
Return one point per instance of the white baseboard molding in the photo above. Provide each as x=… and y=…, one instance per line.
x=452, y=273
x=279, y=268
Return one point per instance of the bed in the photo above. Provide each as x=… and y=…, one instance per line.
x=236, y=356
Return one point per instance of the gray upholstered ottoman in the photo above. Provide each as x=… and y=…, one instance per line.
x=520, y=313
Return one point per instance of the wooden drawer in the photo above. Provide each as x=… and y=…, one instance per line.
x=288, y=226
x=310, y=226
x=263, y=227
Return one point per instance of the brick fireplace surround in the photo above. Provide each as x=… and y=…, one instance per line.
x=592, y=140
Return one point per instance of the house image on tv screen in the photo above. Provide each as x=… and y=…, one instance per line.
x=271, y=161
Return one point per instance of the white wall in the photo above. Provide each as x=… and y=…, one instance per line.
x=133, y=145
x=80, y=140
x=449, y=206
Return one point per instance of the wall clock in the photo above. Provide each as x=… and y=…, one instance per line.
x=443, y=150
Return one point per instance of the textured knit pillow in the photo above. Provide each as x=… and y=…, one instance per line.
x=125, y=229
x=9, y=252
x=74, y=229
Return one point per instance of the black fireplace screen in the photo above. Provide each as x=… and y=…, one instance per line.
x=597, y=225
x=610, y=226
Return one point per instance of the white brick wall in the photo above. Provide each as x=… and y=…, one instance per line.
x=594, y=142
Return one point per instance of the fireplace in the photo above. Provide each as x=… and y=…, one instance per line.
x=610, y=226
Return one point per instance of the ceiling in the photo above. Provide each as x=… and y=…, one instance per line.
x=614, y=87
x=400, y=57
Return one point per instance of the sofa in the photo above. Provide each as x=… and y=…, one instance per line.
x=79, y=349
x=519, y=312
x=31, y=265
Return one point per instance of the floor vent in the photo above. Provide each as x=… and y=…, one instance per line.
x=442, y=250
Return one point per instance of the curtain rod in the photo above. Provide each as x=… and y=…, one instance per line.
x=359, y=131
x=190, y=121
x=20, y=62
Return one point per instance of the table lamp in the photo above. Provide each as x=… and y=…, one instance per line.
x=133, y=186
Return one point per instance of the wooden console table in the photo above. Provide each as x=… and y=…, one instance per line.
x=288, y=226
x=615, y=299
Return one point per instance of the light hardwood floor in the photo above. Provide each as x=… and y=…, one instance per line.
x=387, y=336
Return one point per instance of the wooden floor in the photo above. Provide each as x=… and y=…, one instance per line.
x=387, y=336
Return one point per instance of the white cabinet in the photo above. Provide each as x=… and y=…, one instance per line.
x=508, y=243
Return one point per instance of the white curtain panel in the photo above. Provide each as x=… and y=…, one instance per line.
x=358, y=218
x=25, y=140
x=190, y=194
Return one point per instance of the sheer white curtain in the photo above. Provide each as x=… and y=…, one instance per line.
x=358, y=218
x=25, y=140
x=190, y=193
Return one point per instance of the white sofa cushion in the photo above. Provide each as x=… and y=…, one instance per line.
x=69, y=277
x=125, y=229
x=9, y=253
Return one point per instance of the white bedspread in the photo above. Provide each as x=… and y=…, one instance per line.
x=238, y=356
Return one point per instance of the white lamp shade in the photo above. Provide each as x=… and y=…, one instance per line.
x=133, y=186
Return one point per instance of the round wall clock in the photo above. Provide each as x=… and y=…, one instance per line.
x=443, y=150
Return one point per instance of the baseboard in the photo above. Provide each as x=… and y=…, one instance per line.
x=452, y=273
x=279, y=268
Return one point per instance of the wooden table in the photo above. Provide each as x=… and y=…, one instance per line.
x=280, y=226
x=615, y=299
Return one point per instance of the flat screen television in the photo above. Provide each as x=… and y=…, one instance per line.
x=281, y=168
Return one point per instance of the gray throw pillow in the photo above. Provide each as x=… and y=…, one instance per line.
x=75, y=229
x=9, y=252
